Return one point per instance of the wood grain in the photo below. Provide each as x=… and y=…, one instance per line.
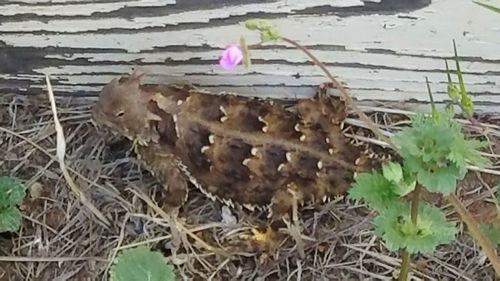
x=381, y=50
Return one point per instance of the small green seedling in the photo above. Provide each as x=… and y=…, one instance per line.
x=12, y=193
x=140, y=264
x=435, y=156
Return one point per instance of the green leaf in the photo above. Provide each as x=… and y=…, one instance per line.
x=492, y=232
x=374, y=189
x=12, y=191
x=140, y=264
x=441, y=180
x=490, y=7
x=436, y=151
x=393, y=171
x=10, y=219
x=396, y=229
x=403, y=181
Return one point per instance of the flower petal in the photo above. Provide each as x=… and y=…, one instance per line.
x=231, y=57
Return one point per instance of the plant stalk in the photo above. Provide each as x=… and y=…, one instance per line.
x=405, y=266
x=464, y=214
x=405, y=263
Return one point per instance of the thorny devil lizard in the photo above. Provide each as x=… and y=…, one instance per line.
x=242, y=151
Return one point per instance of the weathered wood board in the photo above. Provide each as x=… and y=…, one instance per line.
x=382, y=50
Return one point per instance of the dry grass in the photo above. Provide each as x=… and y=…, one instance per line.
x=61, y=239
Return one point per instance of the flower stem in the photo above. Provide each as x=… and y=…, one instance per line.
x=464, y=214
x=405, y=263
x=343, y=92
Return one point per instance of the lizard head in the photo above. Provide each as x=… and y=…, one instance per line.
x=122, y=107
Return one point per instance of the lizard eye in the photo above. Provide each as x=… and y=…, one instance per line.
x=120, y=113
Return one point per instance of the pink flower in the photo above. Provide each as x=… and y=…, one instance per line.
x=231, y=57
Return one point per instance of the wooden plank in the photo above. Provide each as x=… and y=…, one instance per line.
x=381, y=50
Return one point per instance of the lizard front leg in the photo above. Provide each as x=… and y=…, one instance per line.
x=165, y=167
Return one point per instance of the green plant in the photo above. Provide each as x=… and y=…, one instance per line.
x=140, y=264
x=435, y=155
x=12, y=193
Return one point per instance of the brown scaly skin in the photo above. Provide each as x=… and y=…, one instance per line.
x=241, y=151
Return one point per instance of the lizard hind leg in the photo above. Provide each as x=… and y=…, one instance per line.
x=175, y=186
x=284, y=214
x=167, y=170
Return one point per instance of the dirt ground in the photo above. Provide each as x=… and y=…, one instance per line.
x=60, y=239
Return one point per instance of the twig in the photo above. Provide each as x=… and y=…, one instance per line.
x=61, y=152
x=473, y=227
x=164, y=215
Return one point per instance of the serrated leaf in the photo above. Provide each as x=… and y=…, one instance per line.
x=12, y=191
x=392, y=171
x=10, y=219
x=432, y=229
x=443, y=179
x=140, y=264
x=437, y=152
x=374, y=189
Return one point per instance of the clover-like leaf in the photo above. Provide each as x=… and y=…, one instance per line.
x=10, y=219
x=374, y=189
x=139, y=264
x=12, y=191
x=398, y=232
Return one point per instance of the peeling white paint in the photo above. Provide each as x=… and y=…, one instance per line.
x=76, y=9
x=408, y=47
